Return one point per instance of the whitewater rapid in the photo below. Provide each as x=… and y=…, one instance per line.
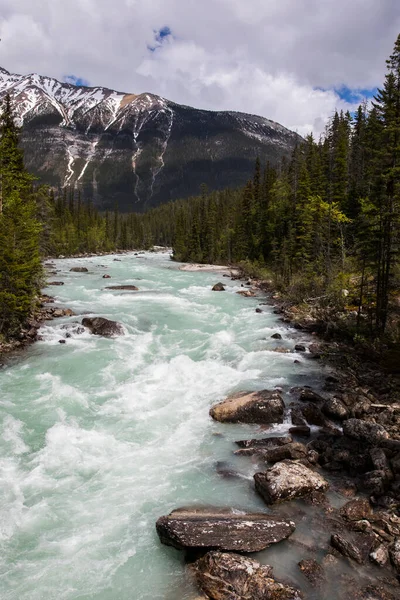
x=99, y=437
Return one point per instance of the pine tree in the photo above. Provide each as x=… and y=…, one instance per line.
x=387, y=185
x=20, y=266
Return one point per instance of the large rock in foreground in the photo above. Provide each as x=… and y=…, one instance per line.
x=189, y=528
x=288, y=480
x=250, y=407
x=223, y=576
x=104, y=327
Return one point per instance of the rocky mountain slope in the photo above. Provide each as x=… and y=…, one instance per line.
x=135, y=150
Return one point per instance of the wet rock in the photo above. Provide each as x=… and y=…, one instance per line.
x=221, y=529
x=313, y=571
x=246, y=293
x=223, y=576
x=62, y=342
x=265, y=442
x=379, y=556
x=226, y=470
x=293, y=451
x=287, y=480
x=297, y=417
x=106, y=276
x=276, y=336
x=335, y=409
x=104, y=327
x=300, y=430
x=356, y=509
x=218, y=287
x=313, y=415
x=394, y=553
x=131, y=288
x=299, y=348
x=250, y=407
x=369, y=433
x=308, y=395
x=55, y=283
x=346, y=548
x=258, y=310
x=79, y=270
x=59, y=312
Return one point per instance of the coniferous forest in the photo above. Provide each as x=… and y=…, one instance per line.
x=323, y=226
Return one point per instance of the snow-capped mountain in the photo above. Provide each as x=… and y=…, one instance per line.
x=135, y=150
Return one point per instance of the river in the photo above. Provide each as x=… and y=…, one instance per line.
x=99, y=437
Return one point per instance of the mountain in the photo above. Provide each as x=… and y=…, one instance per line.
x=135, y=150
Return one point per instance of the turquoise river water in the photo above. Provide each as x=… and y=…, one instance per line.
x=99, y=437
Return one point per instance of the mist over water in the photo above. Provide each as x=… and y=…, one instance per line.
x=99, y=437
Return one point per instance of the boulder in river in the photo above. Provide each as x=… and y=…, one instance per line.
x=356, y=510
x=293, y=451
x=313, y=571
x=218, y=287
x=287, y=480
x=131, y=288
x=79, y=270
x=222, y=529
x=106, y=276
x=346, y=547
x=250, y=407
x=299, y=348
x=276, y=336
x=227, y=576
x=268, y=442
x=55, y=283
x=104, y=327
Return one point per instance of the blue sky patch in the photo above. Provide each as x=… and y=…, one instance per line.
x=160, y=35
x=74, y=80
x=351, y=95
x=355, y=95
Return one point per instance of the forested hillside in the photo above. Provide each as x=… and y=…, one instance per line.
x=324, y=224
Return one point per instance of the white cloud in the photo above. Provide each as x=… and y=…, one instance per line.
x=261, y=56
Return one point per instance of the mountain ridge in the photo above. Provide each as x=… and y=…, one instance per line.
x=135, y=150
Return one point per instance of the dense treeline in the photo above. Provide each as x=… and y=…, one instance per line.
x=324, y=223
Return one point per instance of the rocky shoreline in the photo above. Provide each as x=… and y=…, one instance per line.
x=30, y=332
x=344, y=440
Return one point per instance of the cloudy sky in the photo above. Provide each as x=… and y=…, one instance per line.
x=293, y=61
